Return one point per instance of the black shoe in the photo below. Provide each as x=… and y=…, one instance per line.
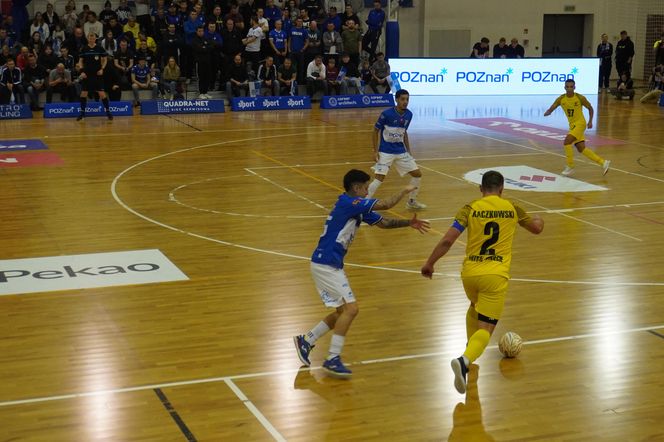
x=109, y=115
x=80, y=117
x=460, y=370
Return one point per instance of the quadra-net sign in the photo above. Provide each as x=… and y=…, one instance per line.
x=32, y=275
x=500, y=76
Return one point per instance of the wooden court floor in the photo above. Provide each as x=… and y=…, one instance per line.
x=237, y=202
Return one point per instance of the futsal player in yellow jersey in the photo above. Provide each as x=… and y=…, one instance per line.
x=573, y=104
x=490, y=222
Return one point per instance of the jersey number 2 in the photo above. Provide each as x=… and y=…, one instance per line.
x=491, y=228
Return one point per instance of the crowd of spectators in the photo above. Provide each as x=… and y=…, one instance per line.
x=227, y=45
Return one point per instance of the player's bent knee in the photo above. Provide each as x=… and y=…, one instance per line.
x=351, y=309
x=417, y=173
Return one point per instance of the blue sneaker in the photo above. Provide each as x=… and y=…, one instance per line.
x=336, y=368
x=303, y=349
x=460, y=370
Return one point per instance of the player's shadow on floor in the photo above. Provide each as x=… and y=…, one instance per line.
x=467, y=417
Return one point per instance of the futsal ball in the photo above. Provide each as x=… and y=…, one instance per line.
x=510, y=345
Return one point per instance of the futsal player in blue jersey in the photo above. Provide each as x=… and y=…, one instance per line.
x=327, y=264
x=391, y=146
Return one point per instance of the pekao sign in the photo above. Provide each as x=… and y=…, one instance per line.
x=32, y=275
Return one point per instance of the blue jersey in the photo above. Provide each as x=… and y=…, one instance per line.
x=392, y=126
x=298, y=37
x=141, y=73
x=279, y=39
x=340, y=227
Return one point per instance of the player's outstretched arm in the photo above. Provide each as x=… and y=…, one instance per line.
x=534, y=225
x=552, y=107
x=392, y=201
x=420, y=225
x=440, y=250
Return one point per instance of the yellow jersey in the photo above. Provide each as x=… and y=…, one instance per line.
x=491, y=222
x=573, y=107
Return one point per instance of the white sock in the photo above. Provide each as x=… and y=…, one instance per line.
x=466, y=361
x=373, y=187
x=316, y=333
x=414, y=182
x=336, y=345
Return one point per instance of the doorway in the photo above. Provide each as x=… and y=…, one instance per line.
x=563, y=35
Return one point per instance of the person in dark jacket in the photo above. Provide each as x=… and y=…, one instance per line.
x=202, y=50
x=232, y=46
x=238, y=79
x=624, y=53
x=604, y=53
x=625, y=87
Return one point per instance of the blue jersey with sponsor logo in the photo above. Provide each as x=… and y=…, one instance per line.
x=340, y=228
x=392, y=126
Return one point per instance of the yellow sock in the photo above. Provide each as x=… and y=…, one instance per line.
x=593, y=156
x=477, y=344
x=569, y=155
x=471, y=322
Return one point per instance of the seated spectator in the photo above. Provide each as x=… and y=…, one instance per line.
x=144, y=52
x=107, y=14
x=109, y=44
x=380, y=71
x=115, y=27
x=36, y=45
x=59, y=80
x=267, y=75
x=515, y=50
x=34, y=81
x=332, y=77
x=141, y=79
x=123, y=59
x=151, y=44
x=316, y=77
x=625, y=87
x=123, y=12
x=6, y=40
x=111, y=83
x=500, y=50
x=131, y=26
x=5, y=54
x=38, y=26
x=170, y=77
x=656, y=85
x=48, y=58
x=238, y=79
x=287, y=75
x=481, y=49
x=22, y=58
x=93, y=25
x=351, y=75
x=11, y=84
x=365, y=74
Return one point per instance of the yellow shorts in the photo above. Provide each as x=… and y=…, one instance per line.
x=578, y=131
x=487, y=292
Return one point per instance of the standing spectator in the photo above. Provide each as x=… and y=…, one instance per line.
x=34, y=80
x=252, y=50
x=11, y=84
x=171, y=45
x=107, y=14
x=297, y=45
x=481, y=49
x=349, y=14
x=143, y=16
x=237, y=18
x=59, y=80
x=375, y=22
x=170, y=77
x=216, y=41
x=141, y=79
x=202, y=50
x=380, y=70
x=316, y=77
x=515, y=50
x=50, y=17
x=332, y=77
x=39, y=26
x=272, y=13
x=231, y=47
x=625, y=87
x=93, y=25
x=278, y=41
x=314, y=42
x=333, y=18
x=287, y=75
x=159, y=24
x=238, y=80
x=332, y=42
x=123, y=12
x=173, y=18
x=624, y=53
x=313, y=8
x=217, y=18
x=604, y=53
x=267, y=75
x=500, y=50
x=92, y=62
x=352, y=41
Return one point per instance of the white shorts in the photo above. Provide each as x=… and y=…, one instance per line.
x=332, y=285
x=404, y=163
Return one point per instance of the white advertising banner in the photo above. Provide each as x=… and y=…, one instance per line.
x=32, y=275
x=530, y=179
x=495, y=76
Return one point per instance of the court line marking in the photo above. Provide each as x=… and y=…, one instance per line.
x=175, y=415
x=308, y=258
x=255, y=411
x=543, y=150
x=229, y=379
x=561, y=213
